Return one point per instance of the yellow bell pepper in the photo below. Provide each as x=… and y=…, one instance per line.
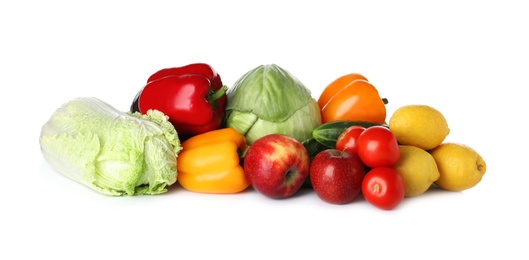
x=209, y=162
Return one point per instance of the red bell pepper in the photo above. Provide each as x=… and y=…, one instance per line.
x=192, y=96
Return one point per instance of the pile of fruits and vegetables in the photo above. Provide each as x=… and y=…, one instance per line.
x=266, y=131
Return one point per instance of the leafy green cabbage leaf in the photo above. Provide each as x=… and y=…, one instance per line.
x=113, y=152
x=268, y=99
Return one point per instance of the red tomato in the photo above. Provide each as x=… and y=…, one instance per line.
x=378, y=147
x=383, y=187
x=347, y=139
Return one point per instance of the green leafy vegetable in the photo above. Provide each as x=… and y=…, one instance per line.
x=268, y=99
x=113, y=152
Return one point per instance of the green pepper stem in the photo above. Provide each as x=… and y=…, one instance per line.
x=217, y=94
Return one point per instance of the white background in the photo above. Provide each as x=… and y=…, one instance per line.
x=468, y=59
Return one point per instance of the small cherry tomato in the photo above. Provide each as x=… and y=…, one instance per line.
x=383, y=187
x=347, y=139
x=378, y=147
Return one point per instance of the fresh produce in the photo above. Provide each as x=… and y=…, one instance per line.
x=378, y=147
x=276, y=165
x=352, y=98
x=268, y=100
x=383, y=187
x=313, y=147
x=417, y=168
x=113, y=152
x=419, y=125
x=336, y=86
x=327, y=134
x=192, y=96
x=336, y=176
x=209, y=162
x=266, y=132
x=460, y=166
x=348, y=139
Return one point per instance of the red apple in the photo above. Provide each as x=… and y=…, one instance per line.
x=336, y=176
x=276, y=165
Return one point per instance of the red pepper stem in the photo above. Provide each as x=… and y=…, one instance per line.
x=218, y=94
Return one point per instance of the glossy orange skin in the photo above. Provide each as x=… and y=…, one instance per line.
x=337, y=85
x=357, y=100
x=209, y=162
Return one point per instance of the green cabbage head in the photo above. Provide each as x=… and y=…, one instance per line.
x=267, y=100
x=115, y=153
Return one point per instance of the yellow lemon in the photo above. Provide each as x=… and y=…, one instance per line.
x=460, y=166
x=419, y=125
x=418, y=169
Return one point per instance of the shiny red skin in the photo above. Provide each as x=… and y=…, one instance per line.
x=276, y=165
x=336, y=176
x=196, y=68
x=383, y=187
x=347, y=140
x=378, y=147
x=182, y=94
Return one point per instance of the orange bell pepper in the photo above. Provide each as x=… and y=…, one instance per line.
x=210, y=162
x=353, y=98
x=336, y=86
